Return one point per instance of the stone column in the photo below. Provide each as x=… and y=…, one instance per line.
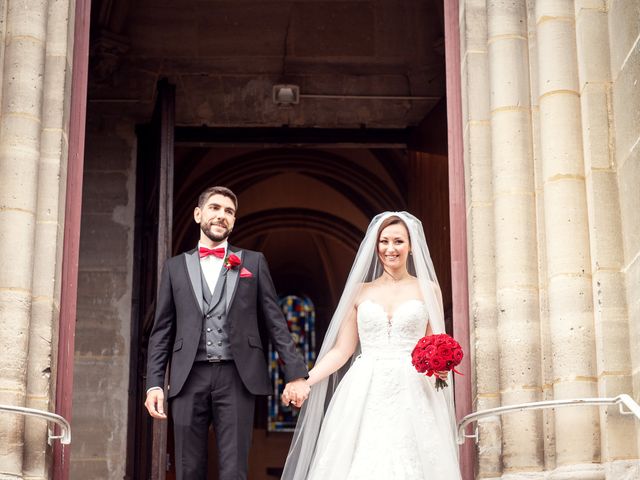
x=45, y=308
x=624, y=37
x=548, y=425
x=515, y=234
x=20, y=129
x=567, y=241
x=605, y=230
x=480, y=232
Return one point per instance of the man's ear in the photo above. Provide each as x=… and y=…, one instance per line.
x=197, y=214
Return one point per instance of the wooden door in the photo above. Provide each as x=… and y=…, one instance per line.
x=147, y=457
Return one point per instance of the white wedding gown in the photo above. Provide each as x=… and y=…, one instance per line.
x=386, y=421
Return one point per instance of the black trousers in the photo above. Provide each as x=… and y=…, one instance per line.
x=213, y=394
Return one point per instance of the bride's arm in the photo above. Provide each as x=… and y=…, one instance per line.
x=438, y=293
x=429, y=331
x=346, y=344
x=442, y=374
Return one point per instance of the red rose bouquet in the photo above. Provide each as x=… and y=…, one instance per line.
x=436, y=353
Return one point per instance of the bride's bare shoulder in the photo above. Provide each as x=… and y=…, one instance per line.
x=364, y=292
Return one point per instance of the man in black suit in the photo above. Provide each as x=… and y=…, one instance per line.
x=210, y=303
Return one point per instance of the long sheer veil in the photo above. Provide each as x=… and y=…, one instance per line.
x=366, y=268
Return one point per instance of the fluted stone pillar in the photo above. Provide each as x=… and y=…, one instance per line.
x=515, y=234
x=20, y=129
x=624, y=37
x=567, y=241
x=478, y=174
x=548, y=420
x=607, y=258
x=48, y=238
x=581, y=143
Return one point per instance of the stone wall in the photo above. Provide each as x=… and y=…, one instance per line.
x=101, y=372
x=624, y=37
x=35, y=82
x=551, y=133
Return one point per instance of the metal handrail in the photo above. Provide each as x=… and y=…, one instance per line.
x=65, y=428
x=621, y=400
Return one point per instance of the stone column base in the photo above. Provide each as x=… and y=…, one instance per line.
x=578, y=472
x=525, y=476
x=622, y=470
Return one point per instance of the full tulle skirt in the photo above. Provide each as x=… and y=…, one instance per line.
x=385, y=421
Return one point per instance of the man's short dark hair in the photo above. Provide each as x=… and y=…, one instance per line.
x=217, y=190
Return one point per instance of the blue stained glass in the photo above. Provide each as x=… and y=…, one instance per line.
x=301, y=318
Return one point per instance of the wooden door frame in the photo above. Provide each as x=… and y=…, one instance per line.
x=72, y=218
x=458, y=219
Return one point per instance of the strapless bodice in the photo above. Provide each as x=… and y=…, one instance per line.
x=381, y=333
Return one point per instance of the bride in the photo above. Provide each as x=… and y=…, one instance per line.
x=383, y=420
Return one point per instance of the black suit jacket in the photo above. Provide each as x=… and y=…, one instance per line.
x=179, y=315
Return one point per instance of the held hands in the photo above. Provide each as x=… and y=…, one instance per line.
x=443, y=375
x=296, y=392
x=155, y=403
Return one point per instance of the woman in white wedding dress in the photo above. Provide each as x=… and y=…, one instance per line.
x=384, y=420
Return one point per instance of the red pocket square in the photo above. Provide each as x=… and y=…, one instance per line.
x=244, y=273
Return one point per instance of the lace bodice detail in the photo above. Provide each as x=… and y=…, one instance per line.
x=396, y=332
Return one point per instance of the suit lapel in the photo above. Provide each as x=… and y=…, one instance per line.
x=232, y=277
x=192, y=260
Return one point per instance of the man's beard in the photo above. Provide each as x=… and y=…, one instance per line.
x=215, y=237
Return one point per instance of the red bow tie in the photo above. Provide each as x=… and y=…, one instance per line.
x=216, y=252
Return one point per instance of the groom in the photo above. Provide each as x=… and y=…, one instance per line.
x=209, y=307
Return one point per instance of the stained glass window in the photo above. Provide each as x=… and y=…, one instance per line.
x=300, y=314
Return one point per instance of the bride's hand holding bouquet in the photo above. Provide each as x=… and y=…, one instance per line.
x=437, y=355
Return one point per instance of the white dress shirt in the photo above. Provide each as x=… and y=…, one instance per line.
x=212, y=265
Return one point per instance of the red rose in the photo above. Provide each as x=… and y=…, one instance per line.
x=437, y=363
x=232, y=261
x=430, y=351
x=457, y=355
x=444, y=351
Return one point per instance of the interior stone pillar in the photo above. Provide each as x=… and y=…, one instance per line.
x=567, y=241
x=480, y=232
x=20, y=129
x=515, y=234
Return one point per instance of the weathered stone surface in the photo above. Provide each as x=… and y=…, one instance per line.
x=626, y=95
x=624, y=28
x=628, y=178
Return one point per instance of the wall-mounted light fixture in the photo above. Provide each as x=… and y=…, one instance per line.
x=286, y=94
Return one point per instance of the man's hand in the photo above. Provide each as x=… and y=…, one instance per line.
x=296, y=392
x=155, y=403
